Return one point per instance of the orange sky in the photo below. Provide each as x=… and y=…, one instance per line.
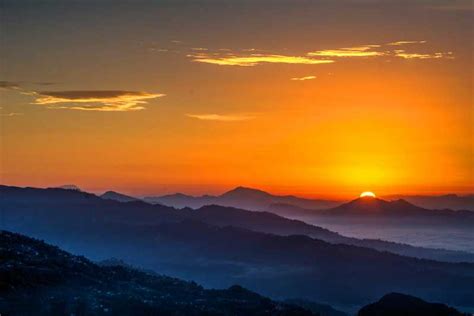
x=331, y=99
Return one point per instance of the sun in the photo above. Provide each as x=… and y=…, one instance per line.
x=367, y=194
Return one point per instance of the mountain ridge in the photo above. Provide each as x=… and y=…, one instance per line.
x=112, y=195
x=45, y=280
x=55, y=201
x=396, y=304
x=243, y=197
x=368, y=206
x=222, y=251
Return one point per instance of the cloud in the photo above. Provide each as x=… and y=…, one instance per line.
x=95, y=100
x=9, y=85
x=9, y=114
x=159, y=50
x=400, y=43
x=222, y=118
x=358, y=51
x=405, y=55
x=367, y=51
x=303, y=78
x=248, y=57
x=256, y=59
x=45, y=83
x=20, y=85
x=416, y=55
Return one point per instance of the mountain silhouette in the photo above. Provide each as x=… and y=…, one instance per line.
x=447, y=201
x=40, y=279
x=112, y=195
x=240, y=197
x=234, y=249
x=244, y=192
x=375, y=207
x=360, y=210
x=396, y=304
x=49, y=207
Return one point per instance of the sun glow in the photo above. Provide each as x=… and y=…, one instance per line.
x=367, y=194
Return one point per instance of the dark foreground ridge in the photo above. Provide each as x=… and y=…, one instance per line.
x=40, y=279
x=396, y=304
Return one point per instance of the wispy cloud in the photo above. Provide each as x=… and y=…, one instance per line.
x=222, y=117
x=248, y=57
x=400, y=43
x=159, y=50
x=358, y=51
x=370, y=51
x=405, y=55
x=9, y=114
x=256, y=59
x=95, y=100
x=20, y=85
x=9, y=85
x=303, y=78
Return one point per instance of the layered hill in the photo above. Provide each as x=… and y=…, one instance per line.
x=29, y=209
x=258, y=200
x=447, y=201
x=368, y=207
x=210, y=247
x=37, y=278
x=240, y=197
x=112, y=195
x=396, y=304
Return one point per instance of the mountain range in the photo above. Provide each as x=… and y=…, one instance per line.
x=240, y=197
x=258, y=200
x=219, y=246
x=447, y=201
x=294, y=207
x=39, y=279
x=55, y=201
x=368, y=206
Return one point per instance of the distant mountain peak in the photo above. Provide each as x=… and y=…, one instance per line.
x=402, y=202
x=176, y=195
x=110, y=192
x=112, y=195
x=402, y=304
x=366, y=201
x=241, y=190
x=370, y=205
